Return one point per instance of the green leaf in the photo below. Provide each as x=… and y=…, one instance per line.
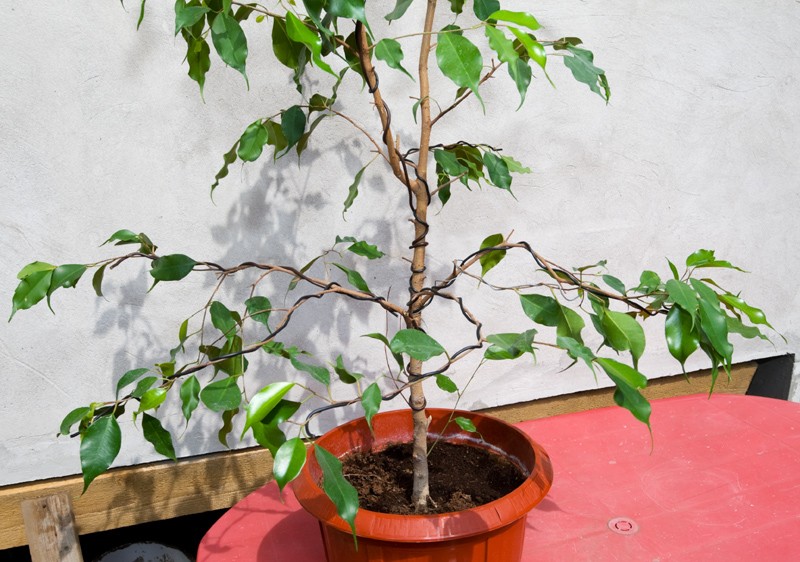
x=629, y=381
x=299, y=33
x=485, y=9
x=252, y=141
x=97, y=280
x=682, y=295
x=160, y=438
x=65, y=276
x=141, y=14
x=541, y=309
x=276, y=138
x=456, y=6
x=399, y=9
x=519, y=18
x=756, y=315
x=263, y=402
x=390, y=52
x=269, y=436
x=674, y=270
x=289, y=460
x=498, y=170
x=576, y=350
x=288, y=52
x=680, y=334
x=100, y=445
x=282, y=412
x=521, y=73
x=72, y=418
x=319, y=373
x=352, y=192
x=227, y=426
x=381, y=338
x=32, y=289
x=449, y=163
x=34, y=267
x=713, y=321
x=460, y=61
x=230, y=42
x=614, y=283
x=293, y=125
x=492, y=258
x=172, y=268
x=624, y=333
x=371, y=402
x=534, y=49
x=583, y=70
x=129, y=378
x=259, y=309
x=350, y=9
x=362, y=248
x=346, y=376
x=570, y=324
x=187, y=16
x=416, y=343
x=735, y=326
x=501, y=44
x=303, y=142
x=222, y=395
x=446, y=383
x=339, y=490
x=152, y=399
x=706, y=258
x=190, y=396
x=354, y=278
x=509, y=346
x=229, y=158
x=143, y=386
x=649, y=281
x=466, y=424
x=295, y=280
x=514, y=166
x=222, y=319
x=198, y=55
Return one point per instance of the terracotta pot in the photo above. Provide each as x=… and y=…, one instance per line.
x=493, y=532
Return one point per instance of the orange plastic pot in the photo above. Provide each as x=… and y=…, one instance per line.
x=492, y=532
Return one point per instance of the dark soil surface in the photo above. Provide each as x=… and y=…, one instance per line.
x=461, y=477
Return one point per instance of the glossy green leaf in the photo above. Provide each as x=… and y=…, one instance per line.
x=352, y=191
x=390, y=52
x=460, y=61
x=381, y=338
x=32, y=289
x=533, y=48
x=289, y=460
x=629, y=381
x=276, y=137
x=682, y=295
x=501, y=44
x=541, y=309
x=252, y=141
x=269, y=436
x=299, y=33
x=172, y=268
x=570, y=324
x=97, y=280
x=514, y=166
x=319, y=373
x=624, y=333
x=229, y=158
x=484, y=9
x=339, y=490
x=36, y=267
x=100, y=445
x=371, y=402
x=280, y=413
x=187, y=15
x=399, y=9
x=263, y=402
x=143, y=386
x=303, y=142
x=490, y=259
x=227, y=426
x=449, y=162
x=649, y=281
x=152, y=399
x=65, y=276
x=362, y=248
x=141, y=14
x=498, y=170
x=446, y=383
x=680, y=333
x=735, y=326
x=519, y=18
x=72, y=418
x=576, y=350
x=198, y=56
x=222, y=319
x=756, y=315
x=350, y=9
x=344, y=374
x=416, y=344
x=190, y=396
x=222, y=395
x=674, y=270
x=259, y=309
x=706, y=258
x=581, y=63
x=289, y=53
x=520, y=72
x=129, y=378
x=230, y=42
x=614, y=283
x=466, y=424
x=456, y=6
x=509, y=345
x=159, y=437
x=293, y=125
x=713, y=321
x=354, y=278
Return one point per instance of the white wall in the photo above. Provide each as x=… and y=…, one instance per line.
x=102, y=130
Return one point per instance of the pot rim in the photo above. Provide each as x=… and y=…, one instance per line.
x=434, y=527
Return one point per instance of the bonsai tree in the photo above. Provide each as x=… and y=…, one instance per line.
x=336, y=41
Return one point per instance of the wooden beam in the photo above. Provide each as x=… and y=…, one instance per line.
x=138, y=494
x=50, y=528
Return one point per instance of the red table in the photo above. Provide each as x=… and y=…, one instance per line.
x=722, y=483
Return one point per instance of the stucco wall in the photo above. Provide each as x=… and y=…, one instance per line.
x=102, y=130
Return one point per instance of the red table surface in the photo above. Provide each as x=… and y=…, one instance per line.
x=722, y=483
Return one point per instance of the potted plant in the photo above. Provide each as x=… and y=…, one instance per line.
x=583, y=311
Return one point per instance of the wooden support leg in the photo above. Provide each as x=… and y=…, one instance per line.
x=50, y=528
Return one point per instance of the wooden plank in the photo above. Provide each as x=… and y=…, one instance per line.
x=133, y=495
x=50, y=529
x=699, y=381
x=138, y=494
